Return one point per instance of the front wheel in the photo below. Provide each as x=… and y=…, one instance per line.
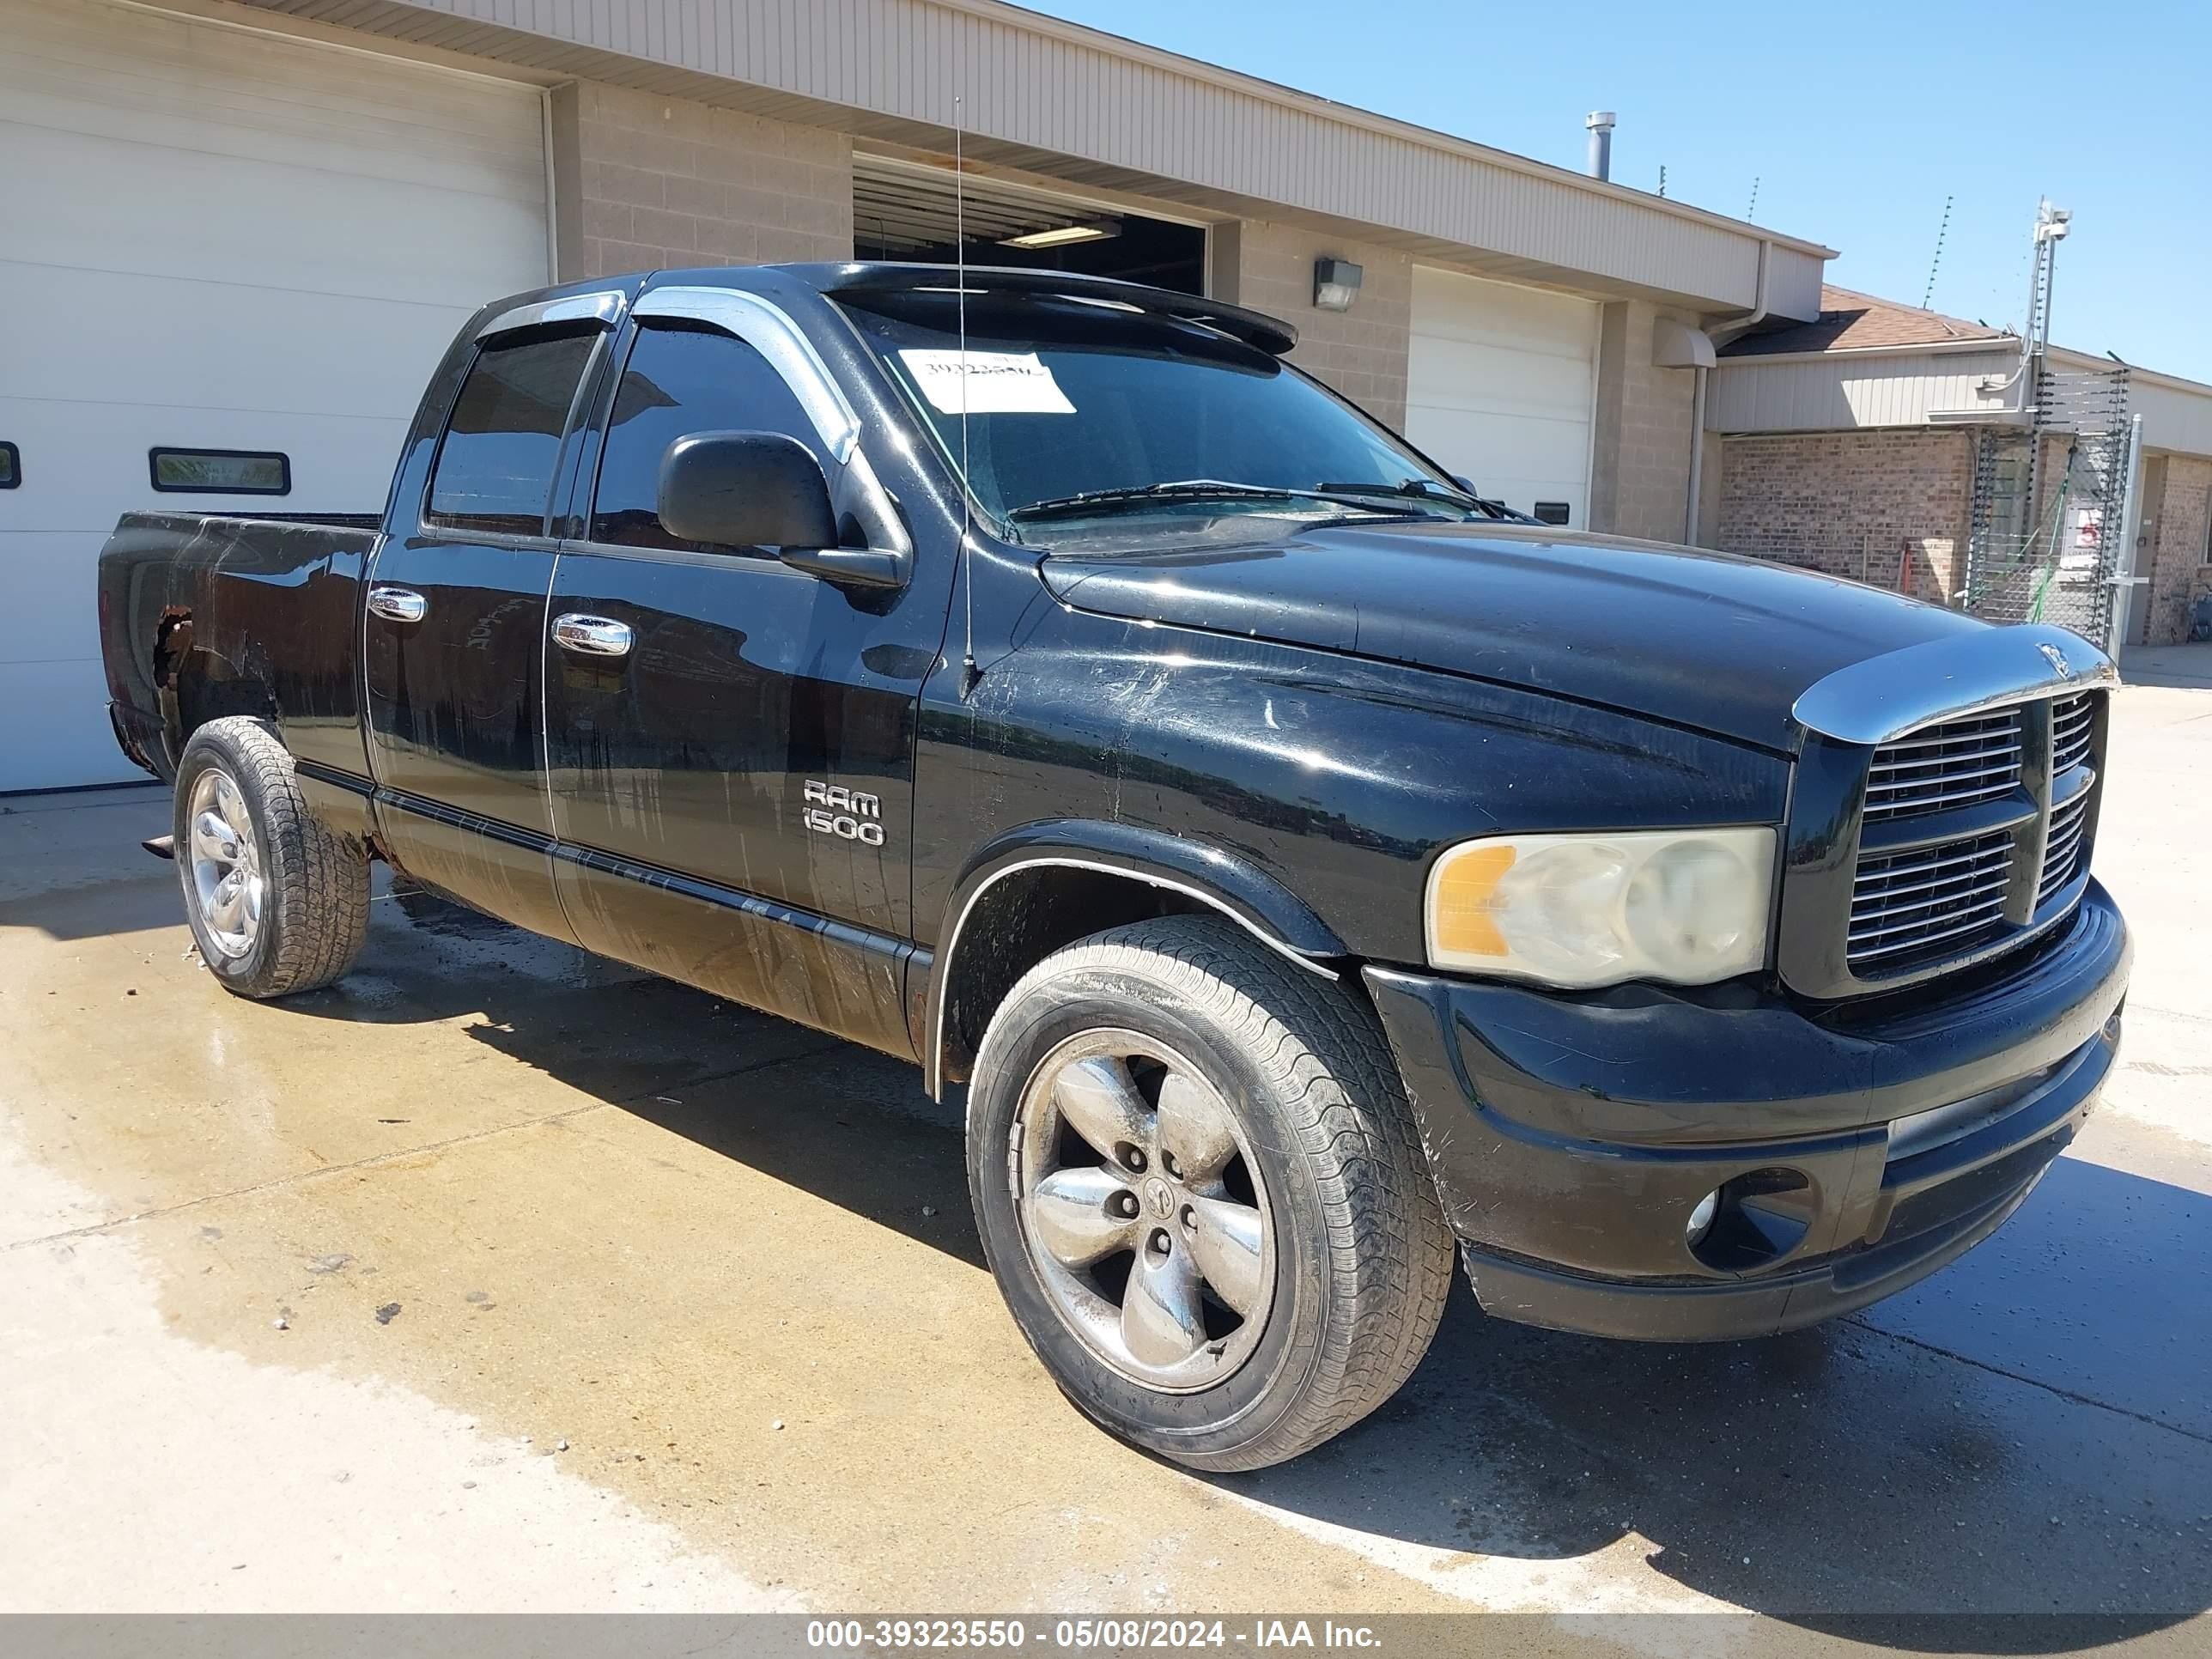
x=1200, y=1185
x=276, y=902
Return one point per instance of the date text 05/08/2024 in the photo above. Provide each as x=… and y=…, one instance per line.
x=1086, y=1634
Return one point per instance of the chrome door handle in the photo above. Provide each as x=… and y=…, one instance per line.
x=592, y=636
x=398, y=603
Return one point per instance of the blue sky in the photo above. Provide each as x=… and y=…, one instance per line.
x=1856, y=121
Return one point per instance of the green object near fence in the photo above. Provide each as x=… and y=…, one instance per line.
x=2050, y=564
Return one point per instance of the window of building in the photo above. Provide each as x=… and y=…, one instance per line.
x=679, y=380
x=496, y=465
x=220, y=472
x=1552, y=511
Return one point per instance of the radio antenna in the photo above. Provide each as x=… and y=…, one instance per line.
x=970, y=674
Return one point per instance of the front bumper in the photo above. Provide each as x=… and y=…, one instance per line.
x=1860, y=1148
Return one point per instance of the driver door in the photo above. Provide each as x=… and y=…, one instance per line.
x=731, y=740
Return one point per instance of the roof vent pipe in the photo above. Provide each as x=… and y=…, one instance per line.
x=1600, y=123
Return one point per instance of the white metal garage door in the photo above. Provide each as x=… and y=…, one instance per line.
x=217, y=238
x=1500, y=385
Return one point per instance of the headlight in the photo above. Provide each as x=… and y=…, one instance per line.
x=1684, y=906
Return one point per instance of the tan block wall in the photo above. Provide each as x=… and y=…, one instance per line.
x=1360, y=352
x=1852, y=503
x=1640, y=450
x=2178, y=570
x=644, y=183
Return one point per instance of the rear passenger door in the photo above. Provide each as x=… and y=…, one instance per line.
x=732, y=740
x=453, y=644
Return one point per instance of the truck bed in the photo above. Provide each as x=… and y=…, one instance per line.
x=193, y=607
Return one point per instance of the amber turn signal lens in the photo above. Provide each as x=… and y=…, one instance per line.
x=1460, y=904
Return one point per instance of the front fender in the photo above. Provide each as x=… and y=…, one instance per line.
x=1327, y=777
x=1194, y=869
x=1232, y=885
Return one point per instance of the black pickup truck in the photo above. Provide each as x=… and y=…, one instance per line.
x=1309, y=867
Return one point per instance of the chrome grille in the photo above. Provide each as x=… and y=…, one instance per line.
x=2062, y=854
x=1974, y=834
x=1939, y=767
x=1903, y=903
x=2070, y=723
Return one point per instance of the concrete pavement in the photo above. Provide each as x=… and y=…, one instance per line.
x=498, y=1277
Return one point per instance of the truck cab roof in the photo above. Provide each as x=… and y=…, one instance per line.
x=863, y=276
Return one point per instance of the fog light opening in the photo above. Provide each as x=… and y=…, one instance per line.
x=1753, y=1221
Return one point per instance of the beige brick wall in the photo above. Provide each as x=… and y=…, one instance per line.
x=1640, y=450
x=1360, y=352
x=2183, y=513
x=1852, y=503
x=645, y=183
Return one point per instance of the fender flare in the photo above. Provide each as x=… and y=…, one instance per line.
x=1236, y=888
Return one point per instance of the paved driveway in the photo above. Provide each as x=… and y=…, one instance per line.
x=500, y=1277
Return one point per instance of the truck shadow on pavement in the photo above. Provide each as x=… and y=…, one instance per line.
x=2028, y=1432
x=2000, y=1440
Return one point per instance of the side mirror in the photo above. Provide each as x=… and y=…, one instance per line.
x=764, y=490
x=745, y=490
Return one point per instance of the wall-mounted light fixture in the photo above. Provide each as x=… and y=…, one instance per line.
x=1336, y=284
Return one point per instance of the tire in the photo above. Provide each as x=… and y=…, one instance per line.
x=1354, y=1260
x=295, y=915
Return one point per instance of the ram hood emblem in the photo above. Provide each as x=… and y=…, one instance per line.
x=2056, y=658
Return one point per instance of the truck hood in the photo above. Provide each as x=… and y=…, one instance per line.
x=1709, y=640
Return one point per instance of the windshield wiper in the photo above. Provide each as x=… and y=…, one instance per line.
x=1421, y=490
x=1177, y=489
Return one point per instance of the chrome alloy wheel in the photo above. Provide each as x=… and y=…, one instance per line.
x=227, y=885
x=1145, y=1211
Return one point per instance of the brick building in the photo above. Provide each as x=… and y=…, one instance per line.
x=1850, y=444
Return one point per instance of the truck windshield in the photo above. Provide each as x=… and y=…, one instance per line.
x=1080, y=406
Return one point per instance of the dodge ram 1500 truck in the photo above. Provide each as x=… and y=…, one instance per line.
x=1310, y=868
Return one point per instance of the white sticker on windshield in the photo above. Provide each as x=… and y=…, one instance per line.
x=998, y=382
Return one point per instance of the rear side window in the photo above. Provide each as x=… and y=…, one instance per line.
x=680, y=381
x=496, y=465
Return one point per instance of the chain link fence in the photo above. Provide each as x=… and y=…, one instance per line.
x=2044, y=534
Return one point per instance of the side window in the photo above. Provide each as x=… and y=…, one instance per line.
x=496, y=465
x=680, y=381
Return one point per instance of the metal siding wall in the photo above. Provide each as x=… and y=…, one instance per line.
x=2173, y=419
x=1847, y=393
x=1793, y=283
x=1027, y=85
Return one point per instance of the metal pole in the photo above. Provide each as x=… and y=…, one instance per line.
x=2122, y=578
x=1600, y=123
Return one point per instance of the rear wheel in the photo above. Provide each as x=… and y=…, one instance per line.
x=1199, y=1186
x=276, y=902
